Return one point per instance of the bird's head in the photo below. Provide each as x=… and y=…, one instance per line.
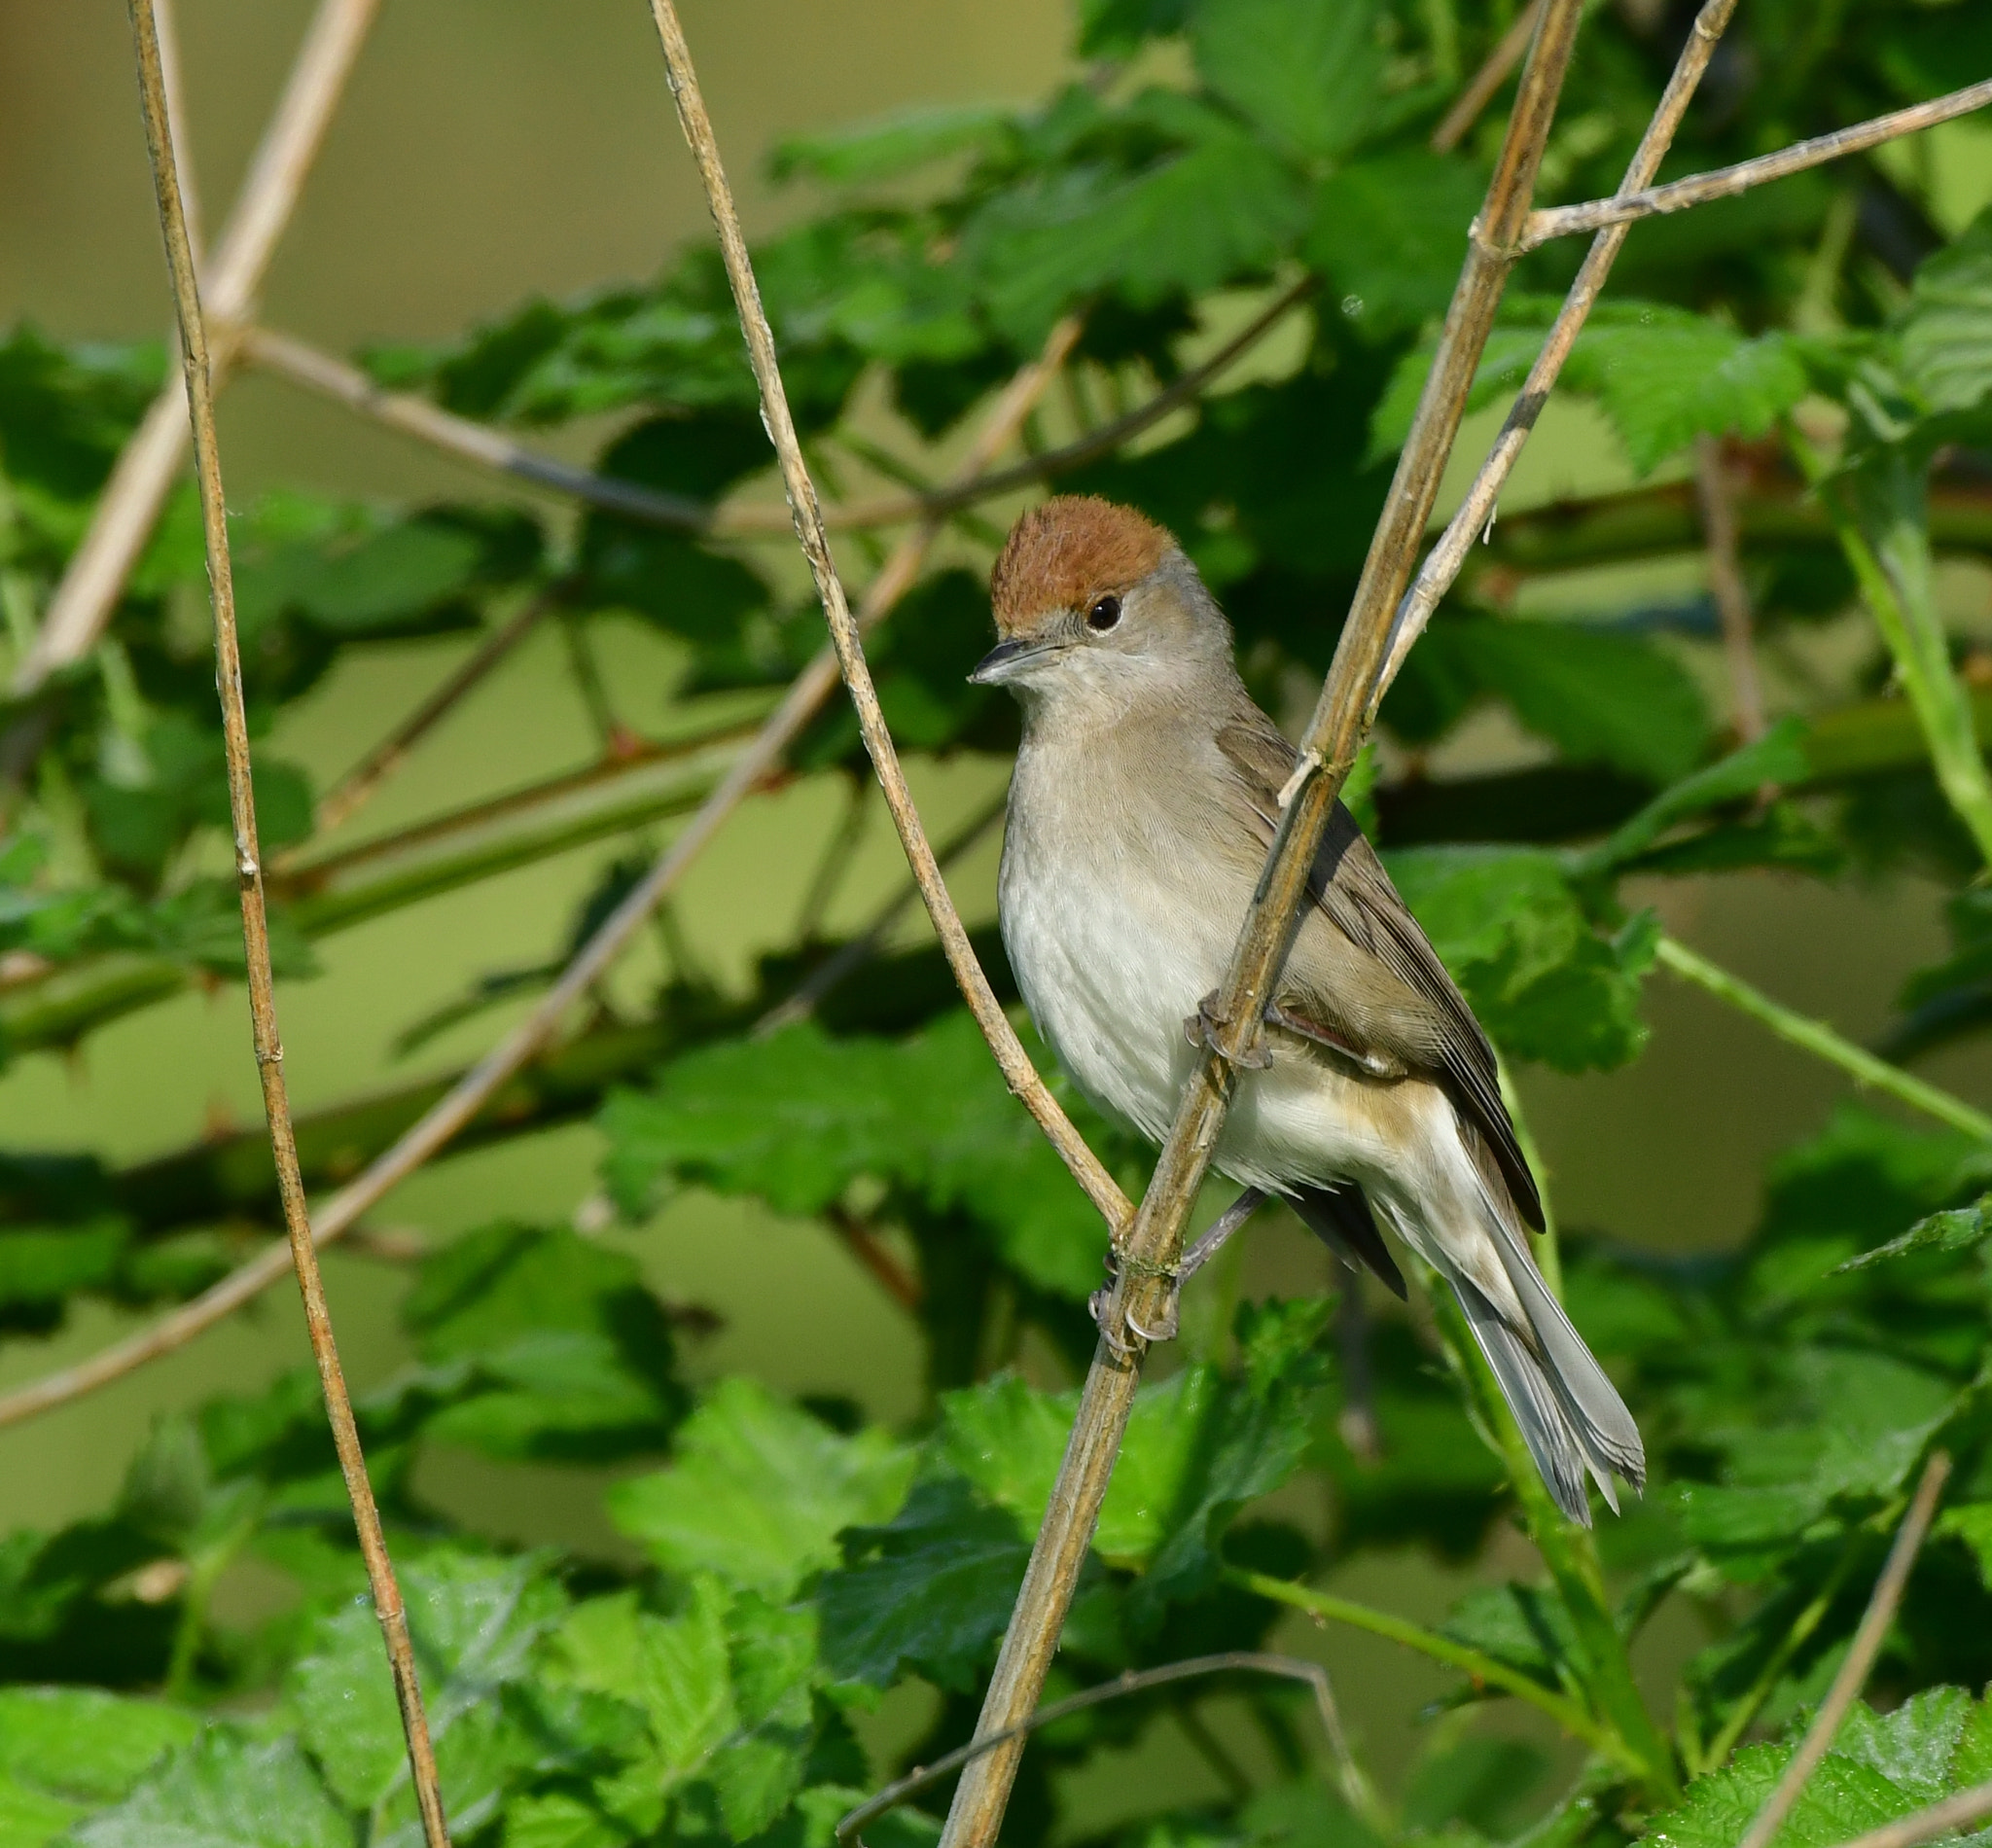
x=1096, y=604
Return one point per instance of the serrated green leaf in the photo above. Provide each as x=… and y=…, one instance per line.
x=1306, y=71
x=1778, y=757
x=1222, y=209
x=83, y=1744
x=759, y=1492
x=225, y=1791
x=890, y=146
x=1947, y=335
x=1961, y=1229
x=1913, y=1746
x=931, y=1591
x=795, y=1118
x=560, y=1821
x=474, y=1622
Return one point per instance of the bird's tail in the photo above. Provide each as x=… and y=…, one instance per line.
x=1571, y=1417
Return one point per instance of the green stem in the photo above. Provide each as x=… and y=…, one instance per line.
x=1571, y=1557
x=1473, y=1662
x=1885, y=537
x=1820, y=1040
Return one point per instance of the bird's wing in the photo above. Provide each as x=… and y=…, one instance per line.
x=1361, y=971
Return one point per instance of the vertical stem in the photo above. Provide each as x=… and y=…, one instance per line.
x=387, y=1604
x=1885, y=537
x=1725, y=584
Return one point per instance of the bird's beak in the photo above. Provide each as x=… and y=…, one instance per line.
x=1009, y=660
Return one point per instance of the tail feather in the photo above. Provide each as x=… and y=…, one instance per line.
x=1546, y=1425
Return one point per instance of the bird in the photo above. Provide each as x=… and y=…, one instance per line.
x=1143, y=799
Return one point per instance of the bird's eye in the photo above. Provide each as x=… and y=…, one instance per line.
x=1103, y=615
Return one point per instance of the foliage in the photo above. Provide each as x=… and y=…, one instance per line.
x=783, y=1567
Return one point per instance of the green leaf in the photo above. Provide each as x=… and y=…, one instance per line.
x=1946, y=335
x=759, y=1492
x=474, y=1622
x=225, y=1791
x=83, y=1744
x=1306, y=71
x=569, y=1352
x=1961, y=1229
x=889, y=146
x=1544, y=984
x=1391, y=232
x=1524, y=1626
x=1778, y=757
x=1599, y=697
x=797, y=1118
x=1663, y=378
x=31, y=1818
x=1222, y=209
x=931, y=1591
x=1913, y=1746
x=1972, y=1524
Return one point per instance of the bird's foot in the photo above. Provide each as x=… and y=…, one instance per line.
x=1205, y=1027
x=1168, y=1321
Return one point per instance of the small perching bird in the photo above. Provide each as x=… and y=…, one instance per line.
x=1145, y=797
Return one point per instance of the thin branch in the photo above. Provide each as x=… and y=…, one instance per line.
x=1859, y=1659
x=1476, y=1664
x=1355, y=1786
x=1699, y=189
x=1011, y=1059
x=902, y=1285
x=1820, y=1040
x=1476, y=513
x=1946, y=1818
x=387, y=1604
x=1334, y=735
x=478, y=443
x=476, y=1089
x=1725, y=584
x=358, y=785
x=414, y=416
x=853, y=955
x=166, y=17
x=129, y=506
x=1479, y=90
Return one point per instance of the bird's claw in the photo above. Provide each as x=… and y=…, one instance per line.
x=1100, y=1304
x=1204, y=1028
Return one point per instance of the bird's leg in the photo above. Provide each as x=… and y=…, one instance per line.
x=1202, y=1028
x=1193, y=1261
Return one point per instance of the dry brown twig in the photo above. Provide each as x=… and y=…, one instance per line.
x=846, y=639
x=1859, y=1659
x=1484, y=81
x=418, y=417
x=269, y=1045
x=129, y=506
x=354, y=788
x=1355, y=1786
x=760, y=760
x=1725, y=584
x=1701, y=189
x=1475, y=514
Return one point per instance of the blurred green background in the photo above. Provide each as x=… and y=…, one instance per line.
x=492, y=149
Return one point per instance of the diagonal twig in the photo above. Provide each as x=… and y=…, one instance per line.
x=1476, y=512
x=276, y=1104
x=471, y=441
x=469, y=1094
x=846, y=640
x=1853, y=1672
x=1484, y=81
x=1355, y=1785
x=1333, y=737
x=129, y=506
x=1701, y=189
x=357, y=786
